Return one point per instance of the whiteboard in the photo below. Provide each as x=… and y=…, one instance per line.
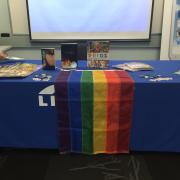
x=19, y=22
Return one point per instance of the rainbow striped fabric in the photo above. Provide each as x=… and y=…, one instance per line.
x=94, y=111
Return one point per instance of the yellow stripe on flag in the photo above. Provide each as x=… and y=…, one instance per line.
x=99, y=109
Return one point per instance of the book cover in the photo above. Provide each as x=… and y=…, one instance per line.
x=69, y=56
x=98, y=54
x=48, y=58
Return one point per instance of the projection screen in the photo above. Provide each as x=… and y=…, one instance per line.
x=89, y=20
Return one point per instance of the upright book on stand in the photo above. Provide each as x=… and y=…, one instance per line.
x=69, y=56
x=98, y=54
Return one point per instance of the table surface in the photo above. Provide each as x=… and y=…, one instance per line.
x=155, y=124
x=164, y=68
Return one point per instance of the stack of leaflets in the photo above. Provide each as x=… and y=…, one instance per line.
x=134, y=66
x=17, y=70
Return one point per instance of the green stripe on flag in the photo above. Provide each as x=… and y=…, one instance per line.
x=87, y=111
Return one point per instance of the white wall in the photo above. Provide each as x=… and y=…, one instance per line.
x=4, y=17
x=157, y=16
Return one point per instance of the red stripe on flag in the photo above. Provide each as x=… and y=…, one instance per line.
x=125, y=112
x=113, y=111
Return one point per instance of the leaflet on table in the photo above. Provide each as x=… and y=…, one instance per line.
x=177, y=72
x=155, y=77
x=18, y=70
x=134, y=66
x=161, y=79
x=42, y=77
x=13, y=58
x=98, y=54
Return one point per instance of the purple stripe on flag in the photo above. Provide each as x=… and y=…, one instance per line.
x=61, y=94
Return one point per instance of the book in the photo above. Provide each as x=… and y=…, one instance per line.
x=98, y=54
x=69, y=56
x=48, y=58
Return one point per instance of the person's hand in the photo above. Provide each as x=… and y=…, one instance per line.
x=3, y=55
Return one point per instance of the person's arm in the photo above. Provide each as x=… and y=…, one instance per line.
x=3, y=55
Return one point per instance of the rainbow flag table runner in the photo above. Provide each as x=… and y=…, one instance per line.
x=94, y=111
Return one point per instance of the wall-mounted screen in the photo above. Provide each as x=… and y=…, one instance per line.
x=93, y=19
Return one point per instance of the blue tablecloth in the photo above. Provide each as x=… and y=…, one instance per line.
x=28, y=116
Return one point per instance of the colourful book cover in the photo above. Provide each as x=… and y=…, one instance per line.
x=98, y=54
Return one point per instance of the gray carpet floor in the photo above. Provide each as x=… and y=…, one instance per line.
x=49, y=165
